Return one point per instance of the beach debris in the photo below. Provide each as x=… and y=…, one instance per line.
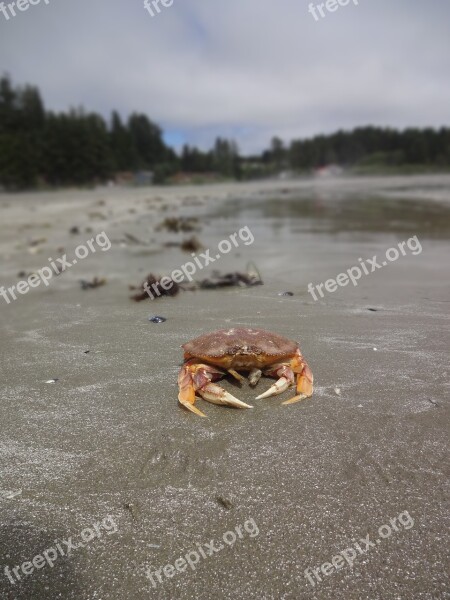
x=208, y=356
x=52, y=380
x=132, y=239
x=156, y=319
x=433, y=402
x=92, y=285
x=337, y=391
x=155, y=287
x=360, y=406
x=373, y=309
x=192, y=244
x=286, y=294
x=179, y=224
x=37, y=242
x=97, y=215
x=86, y=352
x=193, y=201
x=219, y=280
x=133, y=509
x=375, y=349
x=34, y=245
x=10, y=494
x=224, y=502
x=75, y=230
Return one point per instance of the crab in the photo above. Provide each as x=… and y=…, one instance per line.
x=256, y=351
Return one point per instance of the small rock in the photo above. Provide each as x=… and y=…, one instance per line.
x=224, y=502
x=157, y=319
x=92, y=285
x=132, y=508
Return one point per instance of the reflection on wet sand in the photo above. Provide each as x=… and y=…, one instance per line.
x=322, y=213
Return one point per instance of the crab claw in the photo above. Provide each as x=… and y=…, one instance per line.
x=298, y=370
x=196, y=378
x=277, y=388
x=295, y=399
x=305, y=380
x=217, y=395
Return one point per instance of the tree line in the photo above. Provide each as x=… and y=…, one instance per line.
x=45, y=148
x=367, y=147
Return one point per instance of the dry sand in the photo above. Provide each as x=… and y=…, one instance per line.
x=108, y=438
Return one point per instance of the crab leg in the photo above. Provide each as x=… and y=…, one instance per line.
x=254, y=376
x=305, y=379
x=286, y=379
x=197, y=377
x=236, y=375
x=287, y=373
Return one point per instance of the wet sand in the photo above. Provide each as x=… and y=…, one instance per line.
x=108, y=438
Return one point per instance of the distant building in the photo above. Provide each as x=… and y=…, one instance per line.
x=143, y=178
x=137, y=178
x=328, y=171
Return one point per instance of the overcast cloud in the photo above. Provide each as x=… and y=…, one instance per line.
x=247, y=69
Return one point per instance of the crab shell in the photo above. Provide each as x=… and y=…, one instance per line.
x=256, y=350
x=241, y=348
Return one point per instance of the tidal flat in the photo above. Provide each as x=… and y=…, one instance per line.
x=108, y=437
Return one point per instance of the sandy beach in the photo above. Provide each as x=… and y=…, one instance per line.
x=302, y=483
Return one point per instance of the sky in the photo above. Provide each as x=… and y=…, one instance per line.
x=243, y=69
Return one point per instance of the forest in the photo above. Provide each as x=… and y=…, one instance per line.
x=41, y=149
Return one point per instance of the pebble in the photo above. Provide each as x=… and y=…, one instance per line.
x=224, y=502
x=157, y=319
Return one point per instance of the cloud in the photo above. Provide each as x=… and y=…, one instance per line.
x=247, y=68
